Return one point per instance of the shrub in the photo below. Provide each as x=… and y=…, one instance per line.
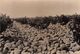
x=39, y=22
x=63, y=20
x=4, y=22
x=53, y=20
x=22, y=20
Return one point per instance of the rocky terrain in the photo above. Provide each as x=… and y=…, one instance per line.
x=19, y=38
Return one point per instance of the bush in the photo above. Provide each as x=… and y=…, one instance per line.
x=43, y=22
x=22, y=20
x=53, y=20
x=4, y=22
x=63, y=20
x=39, y=22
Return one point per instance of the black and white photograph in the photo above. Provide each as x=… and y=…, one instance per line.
x=39, y=26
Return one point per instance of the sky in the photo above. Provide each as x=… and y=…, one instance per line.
x=32, y=8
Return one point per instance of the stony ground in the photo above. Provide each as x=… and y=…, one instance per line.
x=23, y=39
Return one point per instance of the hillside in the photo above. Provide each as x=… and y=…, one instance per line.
x=43, y=37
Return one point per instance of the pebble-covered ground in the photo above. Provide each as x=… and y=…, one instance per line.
x=24, y=39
